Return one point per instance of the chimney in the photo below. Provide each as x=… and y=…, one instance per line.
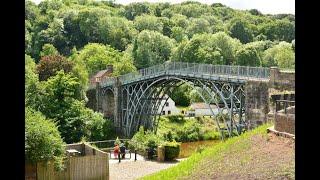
x=110, y=68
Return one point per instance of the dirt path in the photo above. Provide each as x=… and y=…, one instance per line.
x=261, y=157
x=130, y=169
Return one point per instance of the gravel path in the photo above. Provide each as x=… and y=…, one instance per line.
x=130, y=169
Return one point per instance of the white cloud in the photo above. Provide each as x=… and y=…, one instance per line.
x=264, y=6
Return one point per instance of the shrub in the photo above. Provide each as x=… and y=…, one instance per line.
x=211, y=135
x=42, y=139
x=176, y=118
x=143, y=140
x=172, y=150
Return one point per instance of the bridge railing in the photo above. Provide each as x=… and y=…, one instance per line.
x=237, y=72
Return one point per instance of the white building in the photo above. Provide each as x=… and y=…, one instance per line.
x=201, y=109
x=169, y=107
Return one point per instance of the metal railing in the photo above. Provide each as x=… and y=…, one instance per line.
x=283, y=105
x=106, y=143
x=191, y=69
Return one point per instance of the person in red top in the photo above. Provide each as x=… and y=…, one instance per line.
x=116, y=151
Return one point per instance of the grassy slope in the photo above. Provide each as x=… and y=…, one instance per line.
x=215, y=158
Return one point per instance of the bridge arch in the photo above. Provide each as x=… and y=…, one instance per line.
x=138, y=95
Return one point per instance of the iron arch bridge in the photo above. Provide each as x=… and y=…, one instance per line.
x=134, y=99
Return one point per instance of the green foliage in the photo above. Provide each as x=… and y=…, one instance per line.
x=198, y=26
x=42, y=139
x=144, y=139
x=148, y=22
x=151, y=48
x=240, y=29
x=48, y=50
x=136, y=9
x=281, y=30
x=96, y=57
x=248, y=56
x=281, y=55
x=181, y=95
x=171, y=149
x=176, y=118
x=216, y=48
x=116, y=31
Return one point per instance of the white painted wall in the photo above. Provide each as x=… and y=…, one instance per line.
x=171, y=107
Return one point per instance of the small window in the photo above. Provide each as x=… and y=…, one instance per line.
x=167, y=104
x=169, y=112
x=163, y=112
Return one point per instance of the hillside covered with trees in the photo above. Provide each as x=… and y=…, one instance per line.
x=67, y=41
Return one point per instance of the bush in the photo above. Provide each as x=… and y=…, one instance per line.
x=212, y=135
x=42, y=139
x=171, y=149
x=143, y=140
x=176, y=118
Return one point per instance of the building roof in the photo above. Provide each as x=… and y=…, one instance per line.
x=201, y=106
x=100, y=73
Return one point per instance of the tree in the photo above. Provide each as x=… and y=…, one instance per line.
x=248, y=56
x=148, y=22
x=181, y=95
x=281, y=30
x=51, y=64
x=42, y=139
x=240, y=29
x=197, y=26
x=216, y=48
x=281, y=55
x=178, y=33
x=54, y=35
x=96, y=57
x=89, y=23
x=136, y=9
x=255, y=12
x=151, y=48
x=48, y=49
x=116, y=31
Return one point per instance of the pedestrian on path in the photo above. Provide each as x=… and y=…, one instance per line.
x=116, y=151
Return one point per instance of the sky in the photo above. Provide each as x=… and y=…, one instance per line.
x=264, y=6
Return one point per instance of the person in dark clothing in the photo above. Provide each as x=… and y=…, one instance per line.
x=123, y=150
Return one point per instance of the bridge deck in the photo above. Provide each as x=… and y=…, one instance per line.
x=237, y=74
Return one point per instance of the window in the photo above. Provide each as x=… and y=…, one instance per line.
x=163, y=112
x=167, y=104
x=169, y=112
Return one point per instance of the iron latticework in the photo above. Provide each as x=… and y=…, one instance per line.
x=138, y=95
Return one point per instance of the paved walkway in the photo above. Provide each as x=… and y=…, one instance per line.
x=129, y=169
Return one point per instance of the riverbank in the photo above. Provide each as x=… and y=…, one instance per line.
x=253, y=155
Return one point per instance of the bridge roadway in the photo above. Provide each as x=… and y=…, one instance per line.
x=233, y=74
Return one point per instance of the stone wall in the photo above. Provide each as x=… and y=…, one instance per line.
x=284, y=122
x=257, y=102
x=283, y=80
x=108, y=104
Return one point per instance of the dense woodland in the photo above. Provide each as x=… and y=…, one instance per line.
x=67, y=41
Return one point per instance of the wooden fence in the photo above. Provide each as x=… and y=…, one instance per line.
x=92, y=166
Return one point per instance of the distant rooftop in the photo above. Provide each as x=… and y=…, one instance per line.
x=201, y=106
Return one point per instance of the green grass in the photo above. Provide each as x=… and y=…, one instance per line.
x=186, y=167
